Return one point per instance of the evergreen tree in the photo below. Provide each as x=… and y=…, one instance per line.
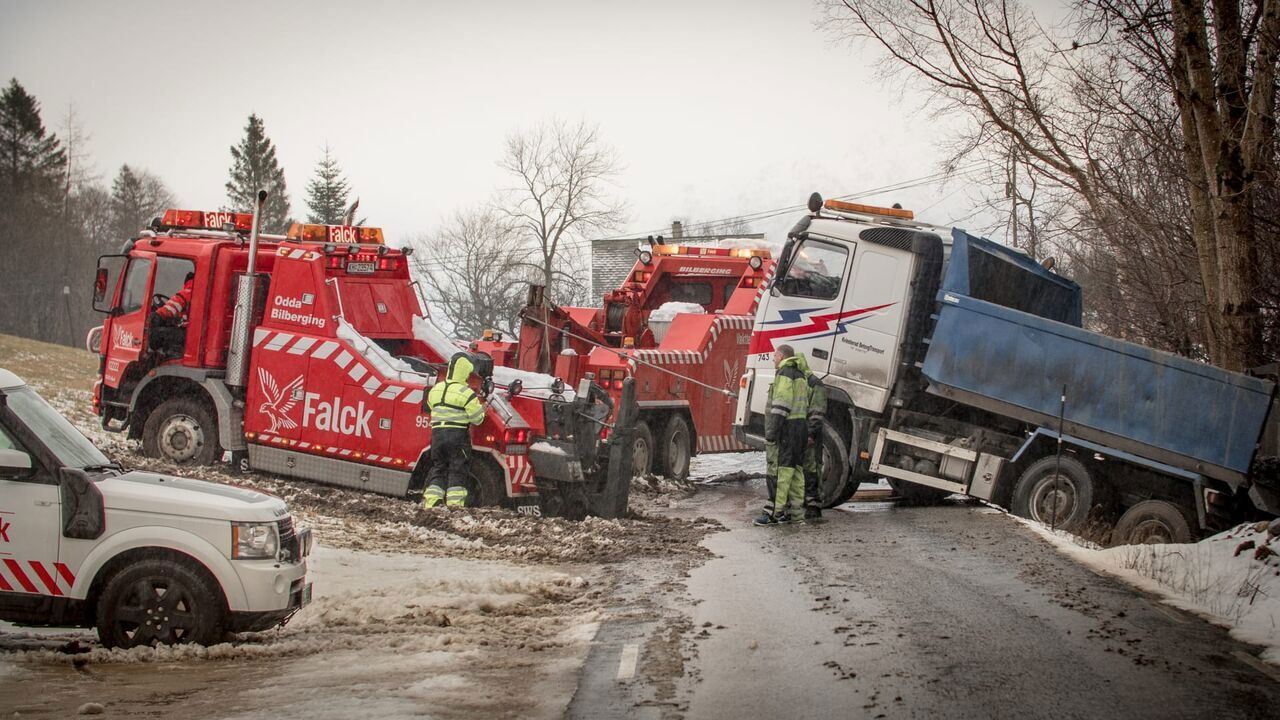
x=327, y=192
x=136, y=197
x=254, y=167
x=32, y=162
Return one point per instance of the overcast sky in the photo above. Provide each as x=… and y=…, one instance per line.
x=715, y=107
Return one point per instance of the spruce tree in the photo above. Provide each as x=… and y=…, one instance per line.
x=254, y=167
x=136, y=197
x=327, y=192
x=32, y=161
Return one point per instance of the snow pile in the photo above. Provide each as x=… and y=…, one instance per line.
x=428, y=332
x=388, y=366
x=535, y=384
x=543, y=446
x=668, y=311
x=1232, y=578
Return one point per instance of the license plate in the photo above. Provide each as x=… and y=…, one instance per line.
x=362, y=268
x=306, y=595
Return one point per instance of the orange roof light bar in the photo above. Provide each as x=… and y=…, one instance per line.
x=338, y=234
x=211, y=220
x=842, y=206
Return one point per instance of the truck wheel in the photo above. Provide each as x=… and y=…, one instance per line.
x=159, y=601
x=834, y=489
x=1064, y=498
x=1152, y=522
x=916, y=494
x=642, y=450
x=183, y=431
x=674, y=449
x=488, y=489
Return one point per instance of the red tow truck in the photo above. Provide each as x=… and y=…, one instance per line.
x=679, y=326
x=309, y=355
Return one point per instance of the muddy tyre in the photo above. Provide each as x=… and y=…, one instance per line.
x=1153, y=522
x=836, y=485
x=642, y=450
x=160, y=601
x=1063, y=499
x=675, y=449
x=183, y=431
x=488, y=489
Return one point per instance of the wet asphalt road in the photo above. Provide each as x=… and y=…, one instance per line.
x=953, y=611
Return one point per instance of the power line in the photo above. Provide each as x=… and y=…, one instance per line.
x=441, y=262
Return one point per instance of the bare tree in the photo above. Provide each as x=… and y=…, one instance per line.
x=1089, y=118
x=476, y=271
x=563, y=174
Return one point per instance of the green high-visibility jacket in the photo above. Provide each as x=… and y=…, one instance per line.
x=788, y=397
x=452, y=403
x=817, y=398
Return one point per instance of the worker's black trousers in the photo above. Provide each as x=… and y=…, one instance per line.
x=450, y=451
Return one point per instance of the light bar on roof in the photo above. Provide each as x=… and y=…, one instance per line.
x=207, y=220
x=842, y=206
x=340, y=234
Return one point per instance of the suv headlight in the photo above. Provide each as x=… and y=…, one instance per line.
x=254, y=541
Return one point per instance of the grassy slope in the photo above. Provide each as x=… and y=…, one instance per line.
x=63, y=375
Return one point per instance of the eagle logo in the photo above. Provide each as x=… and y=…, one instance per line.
x=279, y=401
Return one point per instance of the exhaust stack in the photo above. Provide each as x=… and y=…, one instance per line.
x=246, y=297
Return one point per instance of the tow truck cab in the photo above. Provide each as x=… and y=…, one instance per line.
x=340, y=353
x=144, y=558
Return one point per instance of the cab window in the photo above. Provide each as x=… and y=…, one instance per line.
x=171, y=275
x=816, y=271
x=693, y=292
x=134, y=297
x=9, y=442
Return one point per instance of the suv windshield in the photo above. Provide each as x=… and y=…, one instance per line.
x=66, y=443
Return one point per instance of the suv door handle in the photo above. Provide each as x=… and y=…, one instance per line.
x=820, y=354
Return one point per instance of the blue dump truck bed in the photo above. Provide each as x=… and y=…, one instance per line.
x=1008, y=338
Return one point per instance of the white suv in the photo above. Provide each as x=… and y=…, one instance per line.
x=147, y=559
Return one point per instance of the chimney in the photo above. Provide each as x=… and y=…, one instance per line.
x=677, y=229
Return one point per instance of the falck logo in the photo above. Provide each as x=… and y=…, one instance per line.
x=279, y=401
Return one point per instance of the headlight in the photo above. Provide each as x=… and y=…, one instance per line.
x=250, y=541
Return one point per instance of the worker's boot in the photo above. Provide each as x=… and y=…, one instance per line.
x=432, y=497
x=456, y=497
x=766, y=518
x=812, y=512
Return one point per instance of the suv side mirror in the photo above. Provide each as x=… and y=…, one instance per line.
x=14, y=464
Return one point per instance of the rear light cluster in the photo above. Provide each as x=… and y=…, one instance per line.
x=611, y=378
x=642, y=276
x=515, y=441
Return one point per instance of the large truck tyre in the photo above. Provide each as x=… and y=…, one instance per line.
x=1061, y=498
x=915, y=494
x=642, y=450
x=675, y=448
x=1153, y=522
x=837, y=484
x=182, y=430
x=487, y=486
x=160, y=601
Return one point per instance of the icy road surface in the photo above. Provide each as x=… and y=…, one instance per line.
x=955, y=611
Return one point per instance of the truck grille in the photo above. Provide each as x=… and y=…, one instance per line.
x=290, y=551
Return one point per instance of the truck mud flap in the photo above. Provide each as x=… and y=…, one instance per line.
x=612, y=500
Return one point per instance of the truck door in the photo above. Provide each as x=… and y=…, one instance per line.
x=866, y=352
x=125, y=343
x=805, y=312
x=30, y=528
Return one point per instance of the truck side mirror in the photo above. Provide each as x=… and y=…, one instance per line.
x=14, y=464
x=109, y=266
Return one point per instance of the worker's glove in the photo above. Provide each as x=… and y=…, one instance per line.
x=772, y=429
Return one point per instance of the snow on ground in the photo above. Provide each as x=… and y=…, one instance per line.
x=1225, y=578
x=668, y=311
x=390, y=633
x=721, y=467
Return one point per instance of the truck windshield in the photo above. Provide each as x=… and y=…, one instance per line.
x=66, y=443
